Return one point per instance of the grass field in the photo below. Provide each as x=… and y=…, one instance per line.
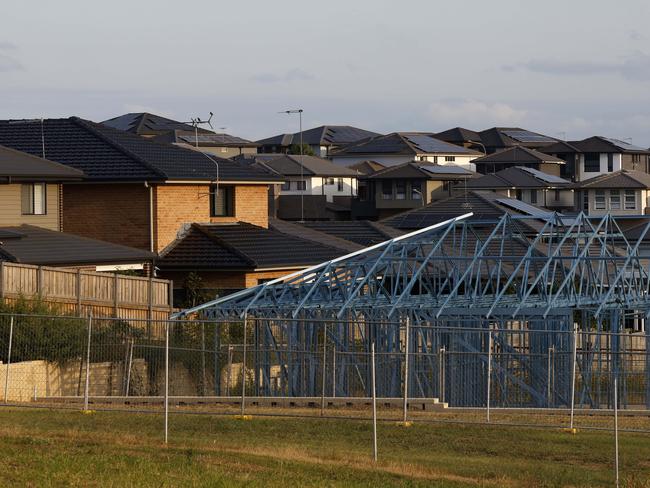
x=40, y=447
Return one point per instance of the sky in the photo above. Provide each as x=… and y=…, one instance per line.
x=569, y=69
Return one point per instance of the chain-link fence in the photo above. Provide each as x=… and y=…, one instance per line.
x=222, y=366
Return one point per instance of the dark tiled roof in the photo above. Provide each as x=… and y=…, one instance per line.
x=367, y=167
x=298, y=230
x=146, y=124
x=619, y=179
x=35, y=245
x=422, y=170
x=483, y=204
x=20, y=165
x=458, y=135
x=107, y=154
x=289, y=165
x=204, y=140
x=404, y=143
x=500, y=137
x=324, y=135
x=361, y=232
x=518, y=154
x=242, y=246
x=517, y=177
x=596, y=144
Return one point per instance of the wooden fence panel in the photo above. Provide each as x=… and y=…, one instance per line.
x=79, y=292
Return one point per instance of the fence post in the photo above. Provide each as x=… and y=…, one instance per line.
x=166, y=381
x=573, y=373
x=86, y=388
x=115, y=294
x=2, y=280
x=243, y=368
x=322, y=396
x=616, y=425
x=406, y=368
x=11, y=335
x=128, y=372
x=333, y=369
x=441, y=374
x=374, y=402
x=489, y=375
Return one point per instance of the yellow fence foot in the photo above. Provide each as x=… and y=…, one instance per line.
x=243, y=417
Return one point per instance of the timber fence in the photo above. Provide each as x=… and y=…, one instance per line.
x=80, y=292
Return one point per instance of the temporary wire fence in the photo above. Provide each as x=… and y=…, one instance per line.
x=430, y=373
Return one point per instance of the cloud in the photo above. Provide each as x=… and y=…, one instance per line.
x=295, y=74
x=475, y=113
x=8, y=63
x=635, y=67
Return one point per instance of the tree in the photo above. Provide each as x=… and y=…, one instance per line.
x=306, y=150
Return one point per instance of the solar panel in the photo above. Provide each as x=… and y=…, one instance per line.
x=527, y=136
x=624, y=145
x=525, y=208
x=431, y=145
x=446, y=169
x=545, y=177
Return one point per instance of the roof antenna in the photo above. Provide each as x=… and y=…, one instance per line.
x=34, y=121
x=195, y=122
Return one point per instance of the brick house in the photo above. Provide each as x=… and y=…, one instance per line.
x=138, y=192
x=31, y=219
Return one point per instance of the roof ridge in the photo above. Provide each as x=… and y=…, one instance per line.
x=88, y=126
x=225, y=244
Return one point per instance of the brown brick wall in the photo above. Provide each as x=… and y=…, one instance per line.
x=110, y=212
x=251, y=205
x=175, y=205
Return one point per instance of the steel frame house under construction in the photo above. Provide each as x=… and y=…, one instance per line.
x=524, y=312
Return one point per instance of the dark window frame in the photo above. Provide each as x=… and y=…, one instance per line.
x=226, y=192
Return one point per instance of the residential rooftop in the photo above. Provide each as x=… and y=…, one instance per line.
x=107, y=154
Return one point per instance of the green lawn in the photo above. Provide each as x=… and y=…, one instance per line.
x=66, y=448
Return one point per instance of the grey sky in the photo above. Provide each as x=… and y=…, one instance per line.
x=577, y=67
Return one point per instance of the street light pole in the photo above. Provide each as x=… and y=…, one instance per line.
x=302, y=175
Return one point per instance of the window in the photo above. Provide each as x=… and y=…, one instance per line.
x=386, y=190
x=557, y=195
x=330, y=181
x=533, y=196
x=34, y=199
x=630, y=200
x=435, y=160
x=614, y=199
x=339, y=184
x=422, y=158
x=518, y=194
x=610, y=162
x=585, y=201
x=450, y=159
x=300, y=185
x=400, y=190
x=222, y=201
x=286, y=186
x=592, y=162
x=599, y=201
x=416, y=190
x=362, y=190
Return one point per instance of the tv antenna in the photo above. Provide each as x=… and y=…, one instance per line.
x=34, y=121
x=195, y=122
